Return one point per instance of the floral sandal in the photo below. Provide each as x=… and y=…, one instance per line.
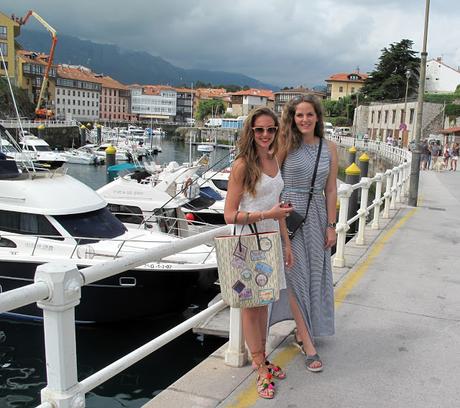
x=275, y=370
x=265, y=387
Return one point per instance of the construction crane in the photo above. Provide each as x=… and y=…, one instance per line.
x=43, y=113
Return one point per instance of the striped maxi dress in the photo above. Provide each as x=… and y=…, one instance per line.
x=310, y=278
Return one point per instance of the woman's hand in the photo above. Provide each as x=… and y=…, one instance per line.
x=331, y=237
x=288, y=256
x=279, y=211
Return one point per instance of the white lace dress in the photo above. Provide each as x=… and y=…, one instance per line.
x=268, y=190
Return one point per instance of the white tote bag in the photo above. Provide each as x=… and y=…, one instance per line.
x=249, y=267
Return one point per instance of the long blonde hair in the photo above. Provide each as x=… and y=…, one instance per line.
x=247, y=148
x=291, y=138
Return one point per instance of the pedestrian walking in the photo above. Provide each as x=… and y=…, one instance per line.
x=435, y=150
x=454, y=156
x=253, y=196
x=309, y=298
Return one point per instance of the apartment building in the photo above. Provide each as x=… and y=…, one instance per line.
x=243, y=102
x=344, y=84
x=78, y=93
x=153, y=102
x=115, y=99
x=285, y=95
x=441, y=77
x=31, y=68
x=9, y=29
x=184, y=104
x=388, y=120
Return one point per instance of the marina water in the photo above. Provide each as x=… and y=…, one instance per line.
x=22, y=359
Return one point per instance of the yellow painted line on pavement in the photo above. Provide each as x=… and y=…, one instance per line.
x=352, y=279
x=248, y=396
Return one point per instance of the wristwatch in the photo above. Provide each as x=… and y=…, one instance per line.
x=331, y=224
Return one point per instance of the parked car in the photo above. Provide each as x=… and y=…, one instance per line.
x=213, y=122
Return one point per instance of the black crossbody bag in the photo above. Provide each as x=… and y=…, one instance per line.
x=295, y=221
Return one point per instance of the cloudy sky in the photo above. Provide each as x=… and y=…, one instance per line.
x=282, y=42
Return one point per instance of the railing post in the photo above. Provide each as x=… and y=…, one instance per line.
x=400, y=183
x=363, y=210
x=406, y=179
x=387, y=195
x=236, y=354
x=64, y=281
x=344, y=194
x=378, y=194
x=394, y=187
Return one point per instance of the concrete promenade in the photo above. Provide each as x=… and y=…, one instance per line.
x=397, y=324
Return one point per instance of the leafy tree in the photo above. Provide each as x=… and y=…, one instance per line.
x=388, y=80
x=25, y=106
x=210, y=107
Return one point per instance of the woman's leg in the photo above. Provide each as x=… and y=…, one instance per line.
x=254, y=334
x=302, y=331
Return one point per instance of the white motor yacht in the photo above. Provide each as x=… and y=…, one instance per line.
x=82, y=156
x=44, y=154
x=51, y=216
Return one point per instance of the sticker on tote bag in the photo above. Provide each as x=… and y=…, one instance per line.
x=246, y=294
x=257, y=255
x=238, y=263
x=241, y=251
x=266, y=295
x=265, y=244
x=238, y=286
x=246, y=274
x=263, y=268
x=261, y=279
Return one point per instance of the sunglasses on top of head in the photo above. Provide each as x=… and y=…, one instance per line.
x=260, y=130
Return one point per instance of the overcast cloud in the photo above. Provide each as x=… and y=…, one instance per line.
x=282, y=42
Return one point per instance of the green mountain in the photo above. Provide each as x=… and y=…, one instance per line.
x=126, y=66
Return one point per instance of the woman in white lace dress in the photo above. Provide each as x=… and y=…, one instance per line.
x=254, y=189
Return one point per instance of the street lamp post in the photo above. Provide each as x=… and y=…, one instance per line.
x=415, y=164
x=408, y=75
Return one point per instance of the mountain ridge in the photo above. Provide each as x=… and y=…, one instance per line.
x=138, y=66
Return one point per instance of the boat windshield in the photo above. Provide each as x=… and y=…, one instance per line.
x=100, y=224
x=42, y=148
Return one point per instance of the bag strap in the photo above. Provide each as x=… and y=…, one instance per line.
x=313, y=179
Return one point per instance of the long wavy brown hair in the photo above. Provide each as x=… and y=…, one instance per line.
x=291, y=138
x=247, y=148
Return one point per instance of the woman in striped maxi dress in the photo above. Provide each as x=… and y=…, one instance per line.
x=309, y=298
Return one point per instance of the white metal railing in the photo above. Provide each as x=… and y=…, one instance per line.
x=396, y=184
x=27, y=124
x=57, y=290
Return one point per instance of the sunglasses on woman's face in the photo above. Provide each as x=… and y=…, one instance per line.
x=261, y=130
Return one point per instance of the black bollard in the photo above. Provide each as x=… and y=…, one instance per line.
x=99, y=133
x=363, y=163
x=110, y=154
x=82, y=135
x=353, y=175
x=351, y=155
x=41, y=131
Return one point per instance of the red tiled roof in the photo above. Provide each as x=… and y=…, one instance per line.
x=33, y=57
x=76, y=72
x=343, y=77
x=109, y=82
x=155, y=89
x=265, y=93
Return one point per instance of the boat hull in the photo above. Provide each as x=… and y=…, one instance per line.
x=135, y=294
